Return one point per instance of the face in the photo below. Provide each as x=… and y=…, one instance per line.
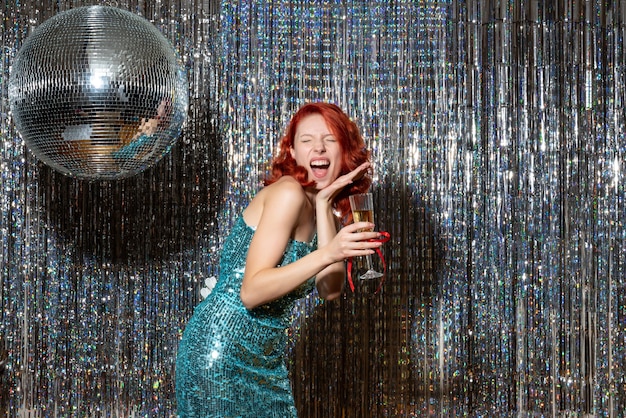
x=316, y=149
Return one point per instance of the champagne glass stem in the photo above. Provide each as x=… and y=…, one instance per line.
x=368, y=261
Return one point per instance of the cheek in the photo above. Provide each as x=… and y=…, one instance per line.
x=337, y=170
x=339, y=160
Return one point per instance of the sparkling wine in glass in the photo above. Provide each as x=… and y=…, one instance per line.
x=363, y=216
x=362, y=206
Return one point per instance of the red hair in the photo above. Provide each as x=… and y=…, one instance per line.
x=353, y=153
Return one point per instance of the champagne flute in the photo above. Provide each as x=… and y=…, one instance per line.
x=362, y=206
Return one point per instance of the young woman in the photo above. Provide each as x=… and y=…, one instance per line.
x=231, y=359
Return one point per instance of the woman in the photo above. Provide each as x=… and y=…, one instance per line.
x=231, y=358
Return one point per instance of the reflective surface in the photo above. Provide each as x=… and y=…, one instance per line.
x=498, y=138
x=97, y=93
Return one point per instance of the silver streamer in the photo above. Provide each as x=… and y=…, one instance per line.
x=497, y=131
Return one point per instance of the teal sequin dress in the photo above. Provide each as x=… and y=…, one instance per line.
x=231, y=360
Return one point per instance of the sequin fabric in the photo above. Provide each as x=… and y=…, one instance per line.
x=230, y=360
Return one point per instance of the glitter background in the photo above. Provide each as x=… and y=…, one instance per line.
x=497, y=131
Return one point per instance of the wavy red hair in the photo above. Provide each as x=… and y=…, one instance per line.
x=353, y=153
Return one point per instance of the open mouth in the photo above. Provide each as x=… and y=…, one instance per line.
x=320, y=167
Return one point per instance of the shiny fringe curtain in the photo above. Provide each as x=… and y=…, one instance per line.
x=497, y=131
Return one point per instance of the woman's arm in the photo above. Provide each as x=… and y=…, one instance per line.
x=281, y=211
x=263, y=281
x=331, y=279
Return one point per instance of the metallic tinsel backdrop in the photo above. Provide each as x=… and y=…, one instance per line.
x=498, y=136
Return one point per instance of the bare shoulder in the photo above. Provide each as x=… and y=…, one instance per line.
x=282, y=197
x=285, y=196
x=286, y=188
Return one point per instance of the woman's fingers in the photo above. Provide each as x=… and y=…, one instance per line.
x=362, y=235
x=354, y=174
x=332, y=189
x=355, y=240
x=359, y=226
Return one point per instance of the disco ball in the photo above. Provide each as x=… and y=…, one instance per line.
x=98, y=92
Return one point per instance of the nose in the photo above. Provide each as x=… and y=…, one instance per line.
x=319, y=145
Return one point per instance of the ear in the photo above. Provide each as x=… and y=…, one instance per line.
x=292, y=152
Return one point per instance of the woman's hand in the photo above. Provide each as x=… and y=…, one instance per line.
x=353, y=240
x=328, y=193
